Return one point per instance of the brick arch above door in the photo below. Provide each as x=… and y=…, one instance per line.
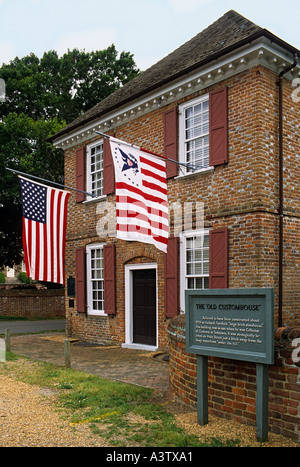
x=141, y=254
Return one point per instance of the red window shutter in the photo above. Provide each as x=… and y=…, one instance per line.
x=80, y=280
x=108, y=169
x=170, y=141
x=171, y=278
x=109, y=255
x=80, y=174
x=218, y=259
x=218, y=127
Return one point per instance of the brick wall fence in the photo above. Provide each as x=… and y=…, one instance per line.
x=232, y=383
x=32, y=302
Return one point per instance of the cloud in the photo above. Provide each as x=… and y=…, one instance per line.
x=7, y=51
x=88, y=40
x=188, y=5
x=146, y=61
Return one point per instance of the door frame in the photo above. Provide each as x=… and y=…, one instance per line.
x=129, y=268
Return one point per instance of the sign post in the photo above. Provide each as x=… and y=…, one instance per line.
x=236, y=324
x=262, y=396
x=202, y=389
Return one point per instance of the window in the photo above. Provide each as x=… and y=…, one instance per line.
x=95, y=279
x=194, y=262
x=194, y=134
x=95, y=169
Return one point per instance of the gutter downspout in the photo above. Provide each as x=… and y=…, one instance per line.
x=280, y=255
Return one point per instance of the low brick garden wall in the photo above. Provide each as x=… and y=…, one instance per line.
x=232, y=383
x=31, y=302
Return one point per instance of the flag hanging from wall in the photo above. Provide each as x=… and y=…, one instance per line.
x=44, y=212
x=141, y=195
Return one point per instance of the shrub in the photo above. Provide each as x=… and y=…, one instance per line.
x=2, y=278
x=22, y=277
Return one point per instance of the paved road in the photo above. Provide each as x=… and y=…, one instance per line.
x=32, y=326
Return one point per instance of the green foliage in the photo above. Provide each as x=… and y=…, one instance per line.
x=2, y=278
x=42, y=96
x=64, y=87
x=22, y=277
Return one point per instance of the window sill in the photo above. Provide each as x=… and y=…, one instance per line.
x=96, y=313
x=193, y=174
x=95, y=200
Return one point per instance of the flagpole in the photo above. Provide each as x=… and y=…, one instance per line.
x=49, y=181
x=145, y=150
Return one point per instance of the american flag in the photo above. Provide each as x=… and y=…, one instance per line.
x=44, y=211
x=141, y=195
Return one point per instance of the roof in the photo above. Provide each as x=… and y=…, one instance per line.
x=228, y=33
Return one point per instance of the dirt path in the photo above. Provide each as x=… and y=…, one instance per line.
x=28, y=419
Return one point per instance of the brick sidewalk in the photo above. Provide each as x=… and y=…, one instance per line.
x=139, y=367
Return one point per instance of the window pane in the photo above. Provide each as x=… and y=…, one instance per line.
x=206, y=268
x=96, y=170
x=189, y=269
x=97, y=282
x=196, y=126
x=198, y=268
x=189, y=112
x=189, y=256
x=197, y=261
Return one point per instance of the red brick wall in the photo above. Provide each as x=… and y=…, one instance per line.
x=232, y=383
x=32, y=303
x=242, y=195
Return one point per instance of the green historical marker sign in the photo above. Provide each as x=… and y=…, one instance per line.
x=231, y=323
x=237, y=324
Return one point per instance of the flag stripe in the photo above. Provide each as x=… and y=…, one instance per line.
x=140, y=231
x=137, y=191
x=127, y=202
x=156, y=177
x=36, y=259
x=26, y=258
x=141, y=219
x=155, y=164
x=45, y=254
x=138, y=201
x=154, y=187
x=64, y=230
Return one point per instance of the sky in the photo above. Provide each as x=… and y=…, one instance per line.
x=149, y=29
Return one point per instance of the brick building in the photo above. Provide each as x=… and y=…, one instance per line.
x=222, y=103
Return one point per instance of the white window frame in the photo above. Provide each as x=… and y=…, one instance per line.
x=90, y=173
x=90, y=279
x=182, y=136
x=183, y=263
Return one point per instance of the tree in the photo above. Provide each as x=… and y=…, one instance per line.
x=64, y=87
x=42, y=95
